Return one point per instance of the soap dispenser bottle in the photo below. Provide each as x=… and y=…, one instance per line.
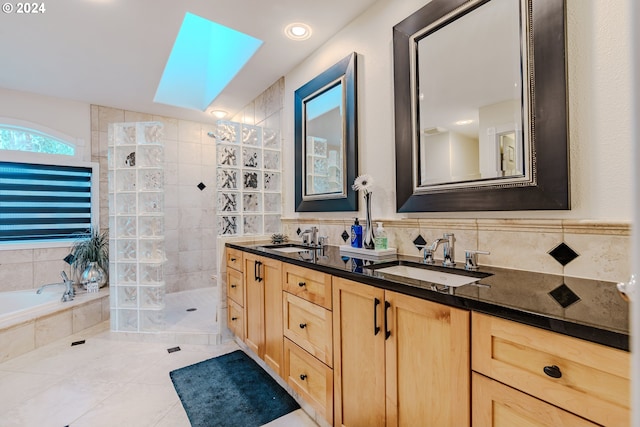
x=356, y=234
x=380, y=241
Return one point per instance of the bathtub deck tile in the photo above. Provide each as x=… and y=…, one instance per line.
x=87, y=315
x=17, y=340
x=53, y=327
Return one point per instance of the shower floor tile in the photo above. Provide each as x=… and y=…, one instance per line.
x=201, y=320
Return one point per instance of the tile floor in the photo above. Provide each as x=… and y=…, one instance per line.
x=109, y=380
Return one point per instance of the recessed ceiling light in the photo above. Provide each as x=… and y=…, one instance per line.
x=219, y=113
x=205, y=57
x=463, y=122
x=298, y=31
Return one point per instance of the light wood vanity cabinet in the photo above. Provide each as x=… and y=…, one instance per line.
x=364, y=356
x=308, y=344
x=263, y=309
x=398, y=360
x=235, y=292
x=580, y=377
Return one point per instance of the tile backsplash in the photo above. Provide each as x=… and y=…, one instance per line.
x=602, y=249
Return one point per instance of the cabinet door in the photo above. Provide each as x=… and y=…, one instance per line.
x=497, y=405
x=427, y=363
x=358, y=345
x=254, y=305
x=270, y=272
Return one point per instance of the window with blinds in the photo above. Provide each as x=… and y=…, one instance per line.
x=44, y=203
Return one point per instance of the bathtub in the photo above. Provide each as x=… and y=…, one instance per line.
x=18, y=303
x=29, y=320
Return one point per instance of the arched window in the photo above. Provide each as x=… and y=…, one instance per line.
x=19, y=138
x=47, y=195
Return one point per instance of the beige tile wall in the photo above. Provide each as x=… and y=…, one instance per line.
x=31, y=268
x=604, y=248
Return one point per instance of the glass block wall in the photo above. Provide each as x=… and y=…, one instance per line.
x=248, y=179
x=136, y=226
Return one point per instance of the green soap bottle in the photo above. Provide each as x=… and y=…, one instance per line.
x=380, y=239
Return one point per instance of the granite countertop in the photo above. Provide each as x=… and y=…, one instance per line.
x=588, y=309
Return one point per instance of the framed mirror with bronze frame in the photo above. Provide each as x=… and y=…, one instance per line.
x=325, y=133
x=442, y=70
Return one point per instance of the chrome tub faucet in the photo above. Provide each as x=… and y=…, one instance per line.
x=69, y=291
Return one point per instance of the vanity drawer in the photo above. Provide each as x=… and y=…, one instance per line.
x=234, y=259
x=593, y=379
x=235, y=318
x=311, y=285
x=235, y=288
x=495, y=404
x=309, y=325
x=309, y=377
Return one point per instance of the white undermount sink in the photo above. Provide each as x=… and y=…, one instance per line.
x=287, y=248
x=290, y=249
x=428, y=274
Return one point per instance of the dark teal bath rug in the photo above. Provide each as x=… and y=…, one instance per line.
x=230, y=390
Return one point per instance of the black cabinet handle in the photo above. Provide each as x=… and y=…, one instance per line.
x=387, y=332
x=234, y=318
x=256, y=271
x=303, y=325
x=303, y=377
x=233, y=286
x=376, y=328
x=553, y=371
x=302, y=284
x=233, y=260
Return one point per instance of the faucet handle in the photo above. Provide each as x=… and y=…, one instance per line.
x=428, y=255
x=471, y=259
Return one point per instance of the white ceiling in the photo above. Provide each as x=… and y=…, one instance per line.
x=113, y=52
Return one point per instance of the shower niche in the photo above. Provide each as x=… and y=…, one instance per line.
x=136, y=226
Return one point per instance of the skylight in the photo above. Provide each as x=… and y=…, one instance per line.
x=205, y=57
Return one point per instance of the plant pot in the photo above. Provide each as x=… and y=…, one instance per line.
x=93, y=273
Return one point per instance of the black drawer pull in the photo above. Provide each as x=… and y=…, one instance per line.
x=234, y=318
x=233, y=286
x=553, y=371
x=302, y=284
x=233, y=260
x=303, y=325
x=303, y=377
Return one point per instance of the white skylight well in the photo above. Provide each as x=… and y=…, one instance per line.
x=205, y=57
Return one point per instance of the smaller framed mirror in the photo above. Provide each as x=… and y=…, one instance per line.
x=326, y=140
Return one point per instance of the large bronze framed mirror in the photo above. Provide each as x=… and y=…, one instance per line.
x=326, y=140
x=480, y=106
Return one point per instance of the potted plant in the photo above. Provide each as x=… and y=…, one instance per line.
x=91, y=257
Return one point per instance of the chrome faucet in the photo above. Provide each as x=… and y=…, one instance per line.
x=310, y=236
x=448, y=250
x=69, y=292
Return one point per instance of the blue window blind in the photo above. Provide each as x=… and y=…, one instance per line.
x=44, y=202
